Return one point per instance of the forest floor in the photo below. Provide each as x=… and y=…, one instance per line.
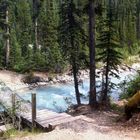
x=94, y=125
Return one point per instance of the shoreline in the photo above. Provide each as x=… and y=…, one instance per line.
x=15, y=81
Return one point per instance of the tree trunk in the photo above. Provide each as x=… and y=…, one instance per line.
x=138, y=19
x=92, y=92
x=76, y=83
x=36, y=34
x=105, y=92
x=105, y=96
x=35, y=21
x=7, y=48
x=73, y=58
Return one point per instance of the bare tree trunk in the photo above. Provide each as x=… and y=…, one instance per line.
x=138, y=27
x=7, y=47
x=36, y=34
x=92, y=92
x=76, y=83
x=138, y=19
x=105, y=92
x=35, y=21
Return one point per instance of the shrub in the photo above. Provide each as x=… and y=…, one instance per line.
x=132, y=87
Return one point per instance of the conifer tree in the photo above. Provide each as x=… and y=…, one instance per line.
x=16, y=60
x=109, y=54
x=6, y=36
x=71, y=35
x=2, y=33
x=92, y=92
x=36, y=9
x=48, y=36
x=23, y=26
x=138, y=19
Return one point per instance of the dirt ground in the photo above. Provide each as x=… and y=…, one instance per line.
x=98, y=125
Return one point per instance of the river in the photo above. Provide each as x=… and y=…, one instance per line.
x=58, y=97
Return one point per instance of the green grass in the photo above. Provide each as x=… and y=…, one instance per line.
x=14, y=133
x=115, y=107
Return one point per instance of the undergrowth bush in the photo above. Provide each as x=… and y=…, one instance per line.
x=130, y=88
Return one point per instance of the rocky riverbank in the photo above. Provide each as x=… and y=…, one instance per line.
x=15, y=80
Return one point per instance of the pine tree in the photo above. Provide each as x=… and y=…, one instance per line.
x=92, y=92
x=109, y=54
x=6, y=36
x=138, y=19
x=36, y=9
x=71, y=35
x=2, y=32
x=16, y=59
x=15, y=49
x=48, y=37
x=23, y=26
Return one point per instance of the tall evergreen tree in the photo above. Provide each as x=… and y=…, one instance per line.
x=15, y=48
x=2, y=32
x=70, y=36
x=92, y=92
x=36, y=9
x=48, y=36
x=23, y=25
x=109, y=54
x=138, y=19
x=5, y=22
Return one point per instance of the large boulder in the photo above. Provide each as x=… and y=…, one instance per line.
x=31, y=79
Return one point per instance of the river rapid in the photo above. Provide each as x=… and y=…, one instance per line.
x=58, y=97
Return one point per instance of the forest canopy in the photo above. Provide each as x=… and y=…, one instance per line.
x=32, y=32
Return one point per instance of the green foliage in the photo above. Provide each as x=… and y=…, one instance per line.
x=54, y=54
x=108, y=45
x=14, y=133
x=49, y=38
x=117, y=108
x=72, y=30
x=10, y=133
x=23, y=25
x=130, y=88
x=71, y=39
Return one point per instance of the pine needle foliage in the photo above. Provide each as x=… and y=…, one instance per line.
x=109, y=46
x=71, y=36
